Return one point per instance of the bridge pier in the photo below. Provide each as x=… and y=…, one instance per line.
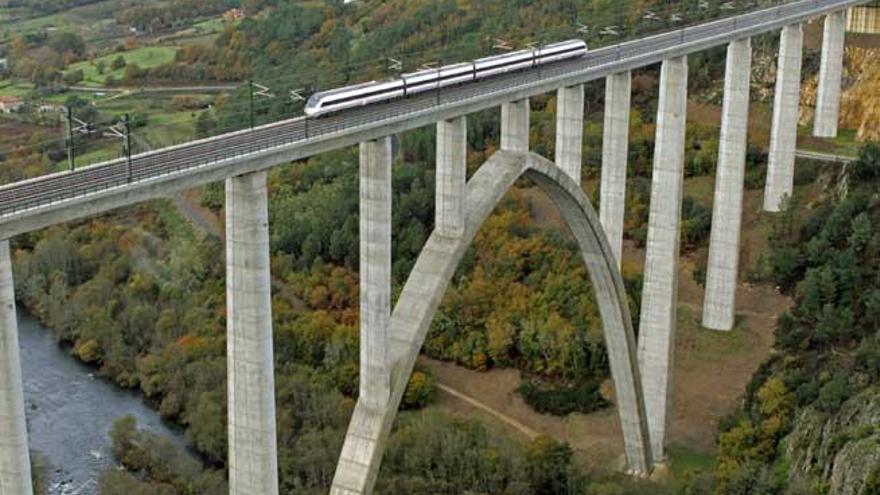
x=615, y=153
x=364, y=441
x=831, y=70
x=719, y=303
x=253, y=459
x=451, y=177
x=570, y=130
x=375, y=273
x=515, y=125
x=786, y=102
x=660, y=290
x=15, y=462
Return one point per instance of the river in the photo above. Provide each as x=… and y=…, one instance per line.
x=70, y=411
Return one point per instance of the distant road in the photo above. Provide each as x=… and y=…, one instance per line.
x=157, y=89
x=825, y=157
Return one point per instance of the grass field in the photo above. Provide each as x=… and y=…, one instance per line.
x=90, y=21
x=685, y=462
x=166, y=129
x=145, y=57
x=10, y=88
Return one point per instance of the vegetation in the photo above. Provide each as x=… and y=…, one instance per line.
x=562, y=399
x=164, y=467
x=829, y=345
x=453, y=456
x=152, y=17
x=141, y=296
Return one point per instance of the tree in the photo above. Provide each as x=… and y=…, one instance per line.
x=205, y=124
x=133, y=72
x=74, y=77
x=66, y=42
x=118, y=63
x=419, y=391
x=548, y=464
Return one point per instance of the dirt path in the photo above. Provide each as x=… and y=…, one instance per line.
x=595, y=437
x=516, y=425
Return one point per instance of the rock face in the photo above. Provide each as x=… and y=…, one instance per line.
x=840, y=450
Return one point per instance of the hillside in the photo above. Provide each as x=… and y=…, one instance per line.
x=809, y=420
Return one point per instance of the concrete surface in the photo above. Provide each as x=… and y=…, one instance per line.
x=830, y=73
x=719, y=303
x=515, y=125
x=253, y=452
x=424, y=290
x=570, y=130
x=783, y=135
x=451, y=176
x=660, y=286
x=615, y=154
x=15, y=463
x=375, y=272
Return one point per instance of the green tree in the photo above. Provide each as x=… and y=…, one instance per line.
x=73, y=77
x=549, y=467
x=118, y=63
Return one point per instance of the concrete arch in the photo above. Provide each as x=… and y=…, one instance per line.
x=369, y=428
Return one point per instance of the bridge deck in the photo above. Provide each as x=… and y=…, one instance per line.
x=43, y=201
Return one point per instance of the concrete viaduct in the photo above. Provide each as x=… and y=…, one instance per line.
x=390, y=338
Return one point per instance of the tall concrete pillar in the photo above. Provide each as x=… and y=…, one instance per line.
x=375, y=273
x=719, y=303
x=786, y=102
x=660, y=289
x=828, y=99
x=515, y=125
x=15, y=463
x=451, y=176
x=253, y=459
x=615, y=152
x=570, y=130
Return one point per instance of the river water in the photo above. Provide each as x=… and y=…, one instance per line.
x=70, y=411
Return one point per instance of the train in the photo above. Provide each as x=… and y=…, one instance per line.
x=327, y=102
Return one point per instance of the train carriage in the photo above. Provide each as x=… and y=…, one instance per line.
x=433, y=79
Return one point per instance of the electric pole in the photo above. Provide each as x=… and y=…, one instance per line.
x=127, y=123
x=251, y=99
x=71, y=153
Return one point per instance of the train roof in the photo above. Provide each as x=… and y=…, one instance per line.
x=354, y=87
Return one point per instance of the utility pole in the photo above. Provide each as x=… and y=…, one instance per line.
x=71, y=153
x=125, y=135
x=127, y=123
x=261, y=91
x=251, y=99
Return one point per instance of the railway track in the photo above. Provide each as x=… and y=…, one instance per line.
x=17, y=198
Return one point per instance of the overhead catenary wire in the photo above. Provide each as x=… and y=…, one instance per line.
x=233, y=111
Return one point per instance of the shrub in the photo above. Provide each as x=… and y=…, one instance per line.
x=696, y=223
x=74, y=77
x=562, y=399
x=118, y=63
x=419, y=391
x=833, y=393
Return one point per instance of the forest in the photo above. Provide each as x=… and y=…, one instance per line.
x=808, y=421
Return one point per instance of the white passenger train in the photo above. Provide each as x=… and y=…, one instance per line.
x=427, y=80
